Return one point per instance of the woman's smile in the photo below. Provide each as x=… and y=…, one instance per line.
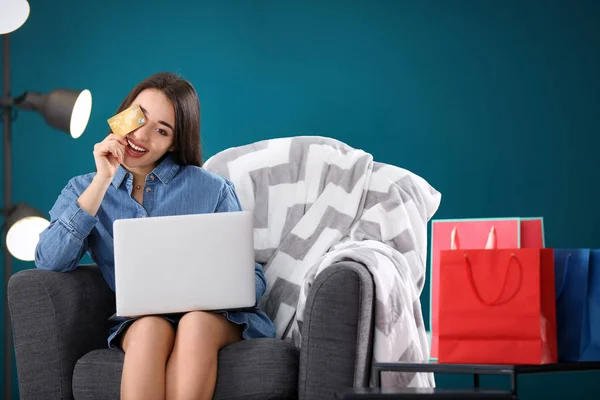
x=134, y=150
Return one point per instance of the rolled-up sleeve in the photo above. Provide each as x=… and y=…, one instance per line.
x=65, y=240
x=229, y=201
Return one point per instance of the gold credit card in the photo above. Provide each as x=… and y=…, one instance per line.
x=127, y=120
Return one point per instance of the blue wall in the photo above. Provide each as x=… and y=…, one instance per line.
x=496, y=103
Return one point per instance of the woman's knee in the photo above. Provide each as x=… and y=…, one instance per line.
x=209, y=327
x=150, y=332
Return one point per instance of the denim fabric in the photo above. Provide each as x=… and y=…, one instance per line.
x=170, y=189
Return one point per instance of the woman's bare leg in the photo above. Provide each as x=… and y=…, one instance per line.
x=147, y=345
x=192, y=367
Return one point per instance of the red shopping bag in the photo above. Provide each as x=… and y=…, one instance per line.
x=497, y=307
x=532, y=233
x=471, y=234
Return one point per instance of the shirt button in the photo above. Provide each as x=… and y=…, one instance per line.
x=148, y=189
x=151, y=177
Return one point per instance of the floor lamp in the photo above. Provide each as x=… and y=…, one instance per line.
x=63, y=109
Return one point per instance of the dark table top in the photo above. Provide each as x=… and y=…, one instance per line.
x=489, y=368
x=422, y=394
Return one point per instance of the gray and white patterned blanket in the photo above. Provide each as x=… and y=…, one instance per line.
x=316, y=201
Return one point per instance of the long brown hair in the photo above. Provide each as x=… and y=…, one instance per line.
x=188, y=150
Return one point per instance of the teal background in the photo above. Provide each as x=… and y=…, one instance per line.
x=495, y=103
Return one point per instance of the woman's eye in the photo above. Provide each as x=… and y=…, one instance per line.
x=161, y=131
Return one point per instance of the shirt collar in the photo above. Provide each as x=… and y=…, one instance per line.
x=119, y=176
x=165, y=171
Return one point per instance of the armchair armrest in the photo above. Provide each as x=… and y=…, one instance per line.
x=57, y=317
x=337, y=333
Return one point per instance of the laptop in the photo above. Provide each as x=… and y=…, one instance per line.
x=176, y=264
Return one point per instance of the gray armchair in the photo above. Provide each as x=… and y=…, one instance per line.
x=60, y=325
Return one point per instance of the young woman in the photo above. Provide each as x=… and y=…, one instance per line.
x=153, y=171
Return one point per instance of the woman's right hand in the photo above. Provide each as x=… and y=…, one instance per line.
x=109, y=154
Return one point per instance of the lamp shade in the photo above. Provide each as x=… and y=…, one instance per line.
x=23, y=227
x=13, y=14
x=64, y=109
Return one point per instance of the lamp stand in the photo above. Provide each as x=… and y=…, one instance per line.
x=7, y=108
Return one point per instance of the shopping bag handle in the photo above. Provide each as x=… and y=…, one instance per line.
x=489, y=245
x=495, y=302
x=564, y=277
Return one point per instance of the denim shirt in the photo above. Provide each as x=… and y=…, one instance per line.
x=170, y=189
